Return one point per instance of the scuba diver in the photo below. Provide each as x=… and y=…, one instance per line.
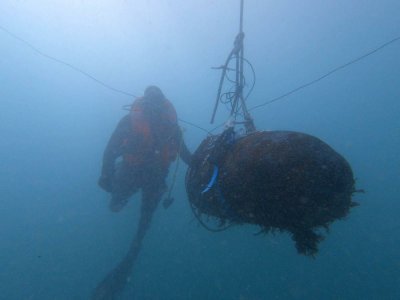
x=138, y=156
x=148, y=139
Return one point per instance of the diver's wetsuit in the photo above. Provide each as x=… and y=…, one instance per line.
x=122, y=179
x=138, y=156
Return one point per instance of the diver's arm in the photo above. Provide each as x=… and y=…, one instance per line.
x=113, y=150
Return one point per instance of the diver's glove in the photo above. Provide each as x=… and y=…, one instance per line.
x=105, y=182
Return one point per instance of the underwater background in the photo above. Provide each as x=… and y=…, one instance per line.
x=58, y=238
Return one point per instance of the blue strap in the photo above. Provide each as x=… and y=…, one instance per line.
x=212, y=181
x=224, y=205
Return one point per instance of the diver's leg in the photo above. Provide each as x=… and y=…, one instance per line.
x=151, y=197
x=123, y=187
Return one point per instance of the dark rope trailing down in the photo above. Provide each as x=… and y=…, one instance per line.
x=197, y=215
x=169, y=199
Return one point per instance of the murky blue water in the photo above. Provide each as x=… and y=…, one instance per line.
x=58, y=238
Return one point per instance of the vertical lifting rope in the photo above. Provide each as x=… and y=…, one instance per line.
x=238, y=99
